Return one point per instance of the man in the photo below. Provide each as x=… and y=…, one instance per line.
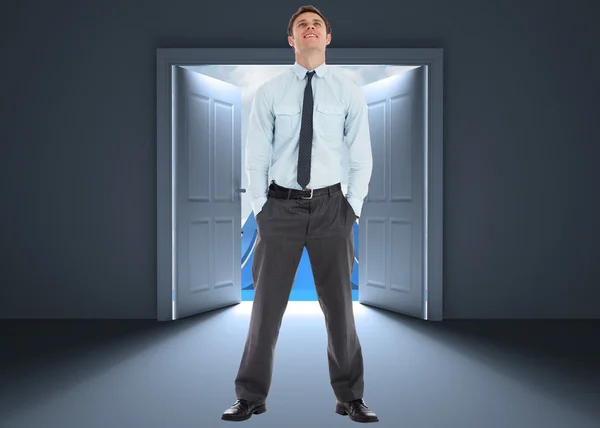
x=302, y=124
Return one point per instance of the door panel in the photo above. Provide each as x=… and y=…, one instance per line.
x=207, y=147
x=392, y=231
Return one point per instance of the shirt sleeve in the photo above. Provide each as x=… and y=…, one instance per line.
x=259, y=147
x=358, y=141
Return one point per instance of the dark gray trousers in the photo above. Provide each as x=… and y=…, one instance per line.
x=324, y=225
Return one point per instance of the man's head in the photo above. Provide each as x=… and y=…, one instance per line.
x=309, y=30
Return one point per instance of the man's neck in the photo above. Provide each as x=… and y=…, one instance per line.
x=310, y=62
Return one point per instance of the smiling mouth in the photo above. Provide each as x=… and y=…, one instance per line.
x=311, y=36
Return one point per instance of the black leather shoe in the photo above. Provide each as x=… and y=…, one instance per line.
x=357, y=410
x=242, y=410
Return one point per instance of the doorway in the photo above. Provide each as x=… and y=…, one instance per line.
x=402, y=248
x=248, y=78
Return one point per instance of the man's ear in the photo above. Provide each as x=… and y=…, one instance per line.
x=291, y=41
x=328, y=39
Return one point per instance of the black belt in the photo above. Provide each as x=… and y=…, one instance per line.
x=279, y=192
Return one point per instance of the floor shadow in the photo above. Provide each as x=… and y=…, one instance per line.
x=559, y=359
x=56, y=355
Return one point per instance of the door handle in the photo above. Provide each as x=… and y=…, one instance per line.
x=240, y=190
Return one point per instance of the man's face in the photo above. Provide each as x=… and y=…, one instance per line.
x=309, y=33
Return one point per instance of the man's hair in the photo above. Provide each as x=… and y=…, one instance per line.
x=302, y=10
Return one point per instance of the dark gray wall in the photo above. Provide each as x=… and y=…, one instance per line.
x=78, y=163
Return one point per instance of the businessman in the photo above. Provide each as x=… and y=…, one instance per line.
x=302, y=124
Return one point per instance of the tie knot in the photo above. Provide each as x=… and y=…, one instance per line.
x=310, y=74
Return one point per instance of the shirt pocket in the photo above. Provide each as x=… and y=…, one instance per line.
x=330, y=120
x=287, y=120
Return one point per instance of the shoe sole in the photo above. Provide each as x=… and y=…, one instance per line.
x=340, y=410
x=257, y=411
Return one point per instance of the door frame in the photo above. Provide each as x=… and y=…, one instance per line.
x=167, y=58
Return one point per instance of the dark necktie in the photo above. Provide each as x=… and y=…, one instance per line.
x=306, y=135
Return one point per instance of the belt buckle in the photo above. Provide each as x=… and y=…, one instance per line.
x=306, y=190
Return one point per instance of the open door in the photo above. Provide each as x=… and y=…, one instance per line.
x=392, y=234
x=207, y=154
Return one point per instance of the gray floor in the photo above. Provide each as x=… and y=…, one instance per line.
x=480, y=374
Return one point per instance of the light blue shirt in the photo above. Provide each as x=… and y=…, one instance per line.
x=340, y=130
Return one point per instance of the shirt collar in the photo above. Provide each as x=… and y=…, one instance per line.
x=300, y=71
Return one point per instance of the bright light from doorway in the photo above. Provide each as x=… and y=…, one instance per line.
x=297, y=308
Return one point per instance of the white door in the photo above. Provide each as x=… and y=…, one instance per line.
x=391, y=237
x=207, y=134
